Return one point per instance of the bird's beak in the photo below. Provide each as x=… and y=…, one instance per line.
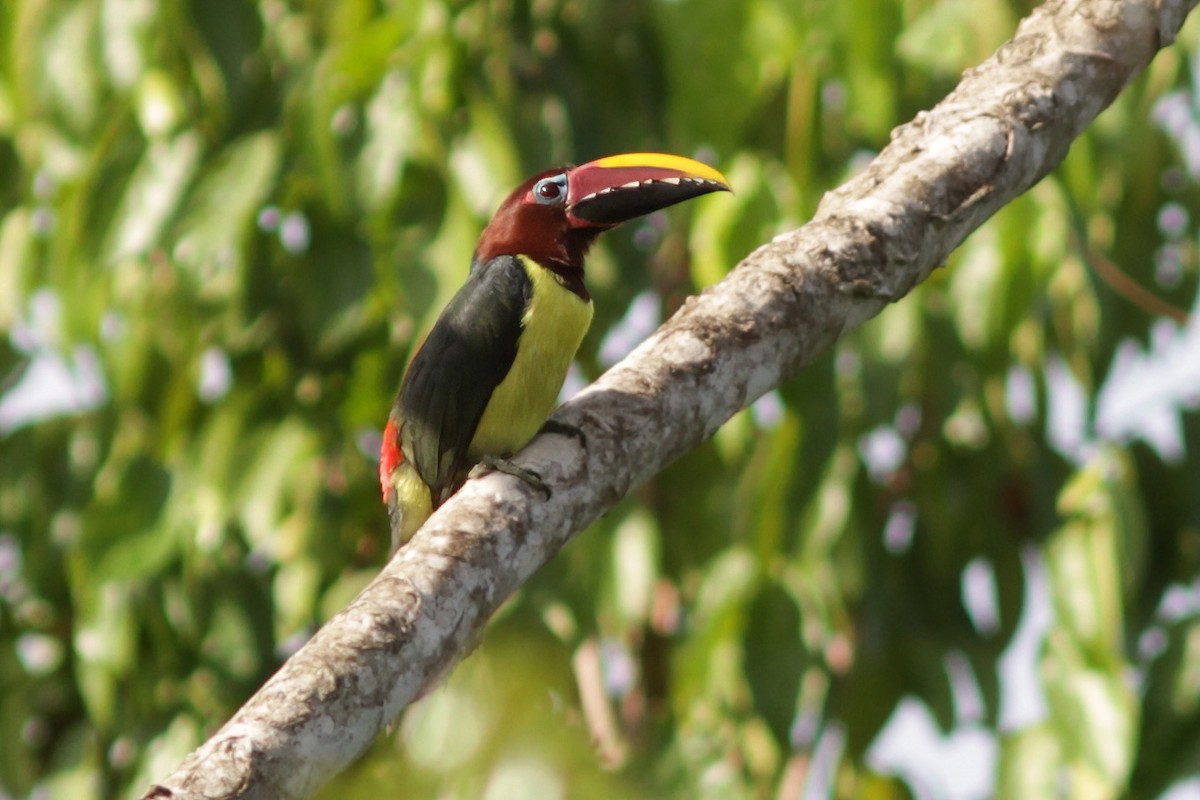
x=611, y=190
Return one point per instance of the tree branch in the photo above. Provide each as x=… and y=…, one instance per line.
x=1008, y=123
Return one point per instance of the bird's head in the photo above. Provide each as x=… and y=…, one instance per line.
x=555, y=216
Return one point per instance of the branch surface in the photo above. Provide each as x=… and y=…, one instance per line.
x=1007, y=124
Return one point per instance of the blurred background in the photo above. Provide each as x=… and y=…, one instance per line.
x=957, y=557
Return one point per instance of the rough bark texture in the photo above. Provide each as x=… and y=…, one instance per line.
x=1008, y=123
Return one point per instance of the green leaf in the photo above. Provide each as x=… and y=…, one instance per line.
x=218, y=216
x=950, y=36
x=1095, y=716
x=152, y=195
x=16, y=253
x=1030, y=764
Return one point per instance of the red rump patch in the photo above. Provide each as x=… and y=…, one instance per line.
x=389, y=457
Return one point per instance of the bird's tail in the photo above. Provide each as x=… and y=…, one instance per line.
x=407, y=497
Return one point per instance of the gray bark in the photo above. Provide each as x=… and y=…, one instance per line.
x=1008, y=123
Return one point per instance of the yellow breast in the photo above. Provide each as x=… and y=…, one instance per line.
x=552, y=328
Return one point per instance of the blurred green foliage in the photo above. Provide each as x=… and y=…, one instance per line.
x=223, y=225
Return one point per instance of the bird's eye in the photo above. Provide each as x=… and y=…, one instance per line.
x=550, y=190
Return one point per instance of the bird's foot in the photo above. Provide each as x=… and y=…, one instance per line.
x=497, y=464
x=565, y=429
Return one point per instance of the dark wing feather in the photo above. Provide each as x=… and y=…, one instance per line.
x=465, y=357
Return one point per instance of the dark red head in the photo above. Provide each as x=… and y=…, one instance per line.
x=556, y=215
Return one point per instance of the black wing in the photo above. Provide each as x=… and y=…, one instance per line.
x=465, y=357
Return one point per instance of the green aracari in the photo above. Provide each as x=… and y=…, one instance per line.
x=490, y=370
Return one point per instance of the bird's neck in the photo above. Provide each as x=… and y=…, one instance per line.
x=569, y=274
x=566, y=259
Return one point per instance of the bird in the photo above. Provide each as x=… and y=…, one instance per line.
x=488, y=374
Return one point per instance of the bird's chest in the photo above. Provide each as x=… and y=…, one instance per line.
x=552, y=328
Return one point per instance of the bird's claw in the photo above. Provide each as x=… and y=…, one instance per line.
x=565, y=429
x=497, y=464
